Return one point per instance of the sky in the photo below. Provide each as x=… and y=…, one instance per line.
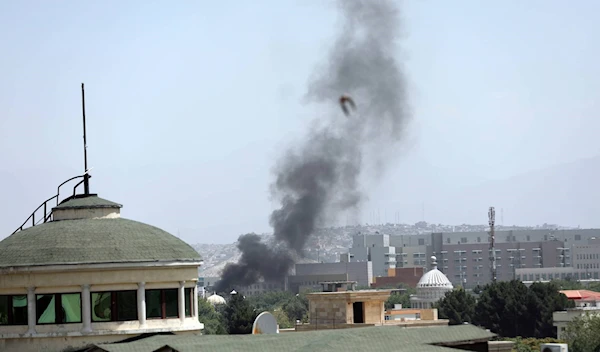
x=189, y=105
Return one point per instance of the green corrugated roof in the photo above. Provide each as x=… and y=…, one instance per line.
x=93, y=241
x=383, y=338
x=91, y=201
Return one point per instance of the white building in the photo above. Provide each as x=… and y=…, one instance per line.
x=86, y=276
x=431, y=288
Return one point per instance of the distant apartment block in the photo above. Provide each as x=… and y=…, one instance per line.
x=465, y=257
x=375, y=249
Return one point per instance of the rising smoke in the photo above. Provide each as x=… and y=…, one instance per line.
x=319, y=179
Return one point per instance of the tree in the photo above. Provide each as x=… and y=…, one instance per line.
x=546, y=301
x=457, y=306
x=239, y=315
x=594, y=286
x=583, y=334
x=296, y=308
x=282, y=319
x=402, y=298
x=211, y=318
x=567, y=284
x=531, y=344
x=269, y=301
x=502, y=309
x=510, y=309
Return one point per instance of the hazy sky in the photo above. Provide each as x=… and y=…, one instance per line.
x=190, y=103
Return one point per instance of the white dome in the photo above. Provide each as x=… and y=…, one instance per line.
x=216, y=299
x=434, y=279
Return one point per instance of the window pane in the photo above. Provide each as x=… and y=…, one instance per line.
x=171, y=298
x=153, y=307
x=101, y=306
x=19, y=304
x=188, y=302
x=4, y=310
x=45, y=311
x=71, y=306
x=127, y=305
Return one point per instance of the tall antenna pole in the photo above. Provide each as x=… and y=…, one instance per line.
x=86, y=181
x=492, y=221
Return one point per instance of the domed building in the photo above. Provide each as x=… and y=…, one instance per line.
x=215, y=299
x=84, y=275
x=431, y=288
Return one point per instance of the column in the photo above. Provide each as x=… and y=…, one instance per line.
x=31, y=319
x=181, y=304
x=86, y=308
x=141, y=300
x=195, y=301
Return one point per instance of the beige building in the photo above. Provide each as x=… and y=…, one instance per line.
x=344, y=309
x=86, y=276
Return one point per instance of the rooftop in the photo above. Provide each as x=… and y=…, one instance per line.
x=90, y=241
x=385, y=338
x=583, y=295
x=90, y=201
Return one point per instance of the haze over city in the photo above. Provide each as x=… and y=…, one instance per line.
x=190, y=105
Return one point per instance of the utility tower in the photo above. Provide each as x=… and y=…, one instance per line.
x=492, y=221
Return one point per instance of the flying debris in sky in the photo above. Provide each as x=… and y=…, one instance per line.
x=345, y=99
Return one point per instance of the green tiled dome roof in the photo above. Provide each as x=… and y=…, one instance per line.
x=88, y=241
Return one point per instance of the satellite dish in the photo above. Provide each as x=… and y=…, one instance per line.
x=265, y=323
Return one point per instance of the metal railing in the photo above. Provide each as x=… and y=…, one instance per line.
x=48, y=213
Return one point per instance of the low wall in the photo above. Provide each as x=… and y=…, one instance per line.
x=310, y=327
x=417, y=323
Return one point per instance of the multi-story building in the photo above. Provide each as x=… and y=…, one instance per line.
x=261, y=287
x=465, y=257
x=375, y=249
x=585, y=265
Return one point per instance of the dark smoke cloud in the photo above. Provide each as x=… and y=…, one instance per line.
x=319, y=179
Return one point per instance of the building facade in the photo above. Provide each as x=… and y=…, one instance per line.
x=89, y=276
x=465, y=257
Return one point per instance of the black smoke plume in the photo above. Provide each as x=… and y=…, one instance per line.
x=319, y=179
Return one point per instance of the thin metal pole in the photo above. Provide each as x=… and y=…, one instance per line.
x=86, y=183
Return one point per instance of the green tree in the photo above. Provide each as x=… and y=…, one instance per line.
x=546, y=300
x=594, y=286
x=269, y=301
x=531, y=344
x=567, y=284
x=211, y=318
x=296, y=308
x=239, y=315
x=510, y=309
x=502, y=308
x=457, y=306
x=283, y=320
x=583, y=334
x=400, y=298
